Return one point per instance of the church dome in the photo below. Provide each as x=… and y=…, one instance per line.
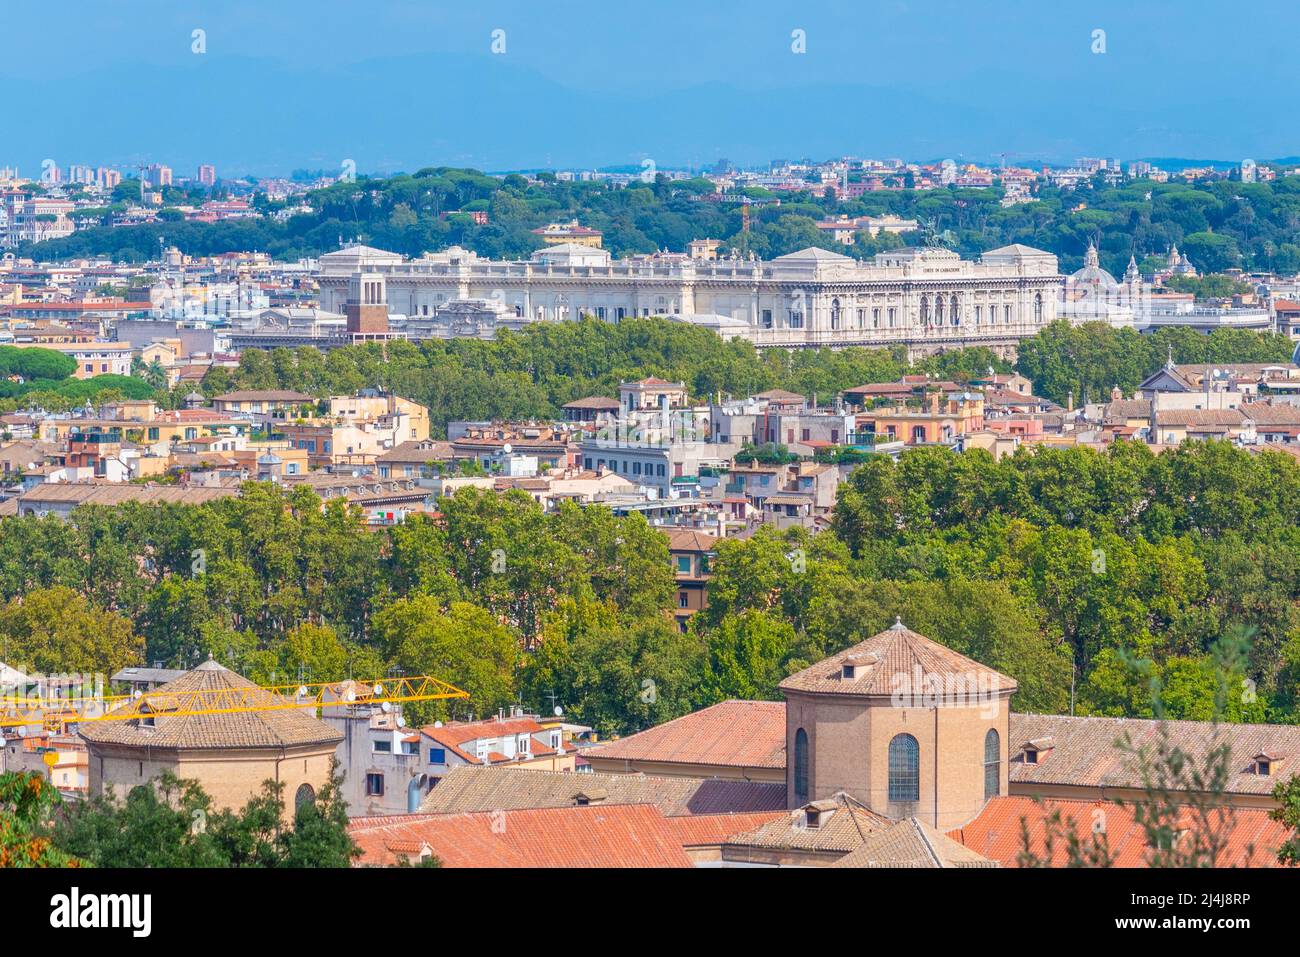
x=1092, y=279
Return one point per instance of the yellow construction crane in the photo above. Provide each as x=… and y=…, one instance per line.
x=55, y=712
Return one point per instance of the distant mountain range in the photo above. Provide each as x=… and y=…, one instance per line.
x=255, y=116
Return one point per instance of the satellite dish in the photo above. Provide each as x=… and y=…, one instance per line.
x=401, y=720
x=437, y=724
x=302, y=691
x=22, y=731
x=386, y=707
x=507, y=448
x=558, y=711
x=379, y=689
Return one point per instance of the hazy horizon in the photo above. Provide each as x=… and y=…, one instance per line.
x=402, y=84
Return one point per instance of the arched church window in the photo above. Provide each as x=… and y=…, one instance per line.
x=801, y=767
x=904, y=768
x=992, y=764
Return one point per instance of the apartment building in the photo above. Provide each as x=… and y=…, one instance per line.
x=357, y=430
x=691, y=553
x=514, y=739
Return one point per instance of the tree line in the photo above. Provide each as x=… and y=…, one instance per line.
x=1220, y=225
x=532, y=373
x=1084, y=575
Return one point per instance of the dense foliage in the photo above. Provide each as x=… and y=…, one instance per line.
x=33, y=377
x=532, y=373
x=1084, y=575
x=170, y=823
x=1219, y=225
x=1089, y=360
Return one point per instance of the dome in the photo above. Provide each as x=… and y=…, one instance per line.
x=1092, y=279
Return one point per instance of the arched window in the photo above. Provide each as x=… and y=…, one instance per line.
x=925, y=310
x=904, y=768
x=992, y=764
x=938, y=310
x=801, y=767
x=954, y=313
x=1038, y=308
x=835, y=313
x=305, y=795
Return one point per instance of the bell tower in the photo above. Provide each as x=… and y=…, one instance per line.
x=367, y=306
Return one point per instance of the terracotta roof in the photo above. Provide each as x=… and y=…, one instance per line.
x=653, y=381
x=729, y=733
x=704, y=830
x=1265, y=413
x=417, y=450
x=264, y=395
x=689, y=540
x=1200, y=417
x=883, y=388
x=593, y=402
x=621, y=835
x=996, y=833
x=477, y=788
x=1084, y=750
x=843, y=825
x=1128, y=409
x=116, y=494
x=896, y=653
x=245, y=729
x=912, y=843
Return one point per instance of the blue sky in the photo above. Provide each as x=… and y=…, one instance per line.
x=408, y=83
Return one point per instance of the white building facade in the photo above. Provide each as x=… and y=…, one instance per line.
x=926, y=299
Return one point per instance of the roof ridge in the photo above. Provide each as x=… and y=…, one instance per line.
x=925, y=839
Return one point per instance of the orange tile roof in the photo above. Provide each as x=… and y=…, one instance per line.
x=696, y=830
x=896, y=651
x=1252, y=838
x=730, y=733
x=622, y=835
x=689, y=540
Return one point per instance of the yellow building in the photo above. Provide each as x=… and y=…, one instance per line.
x=356, y=430
x=555, y=234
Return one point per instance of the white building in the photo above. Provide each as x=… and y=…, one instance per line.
x=926, y=299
